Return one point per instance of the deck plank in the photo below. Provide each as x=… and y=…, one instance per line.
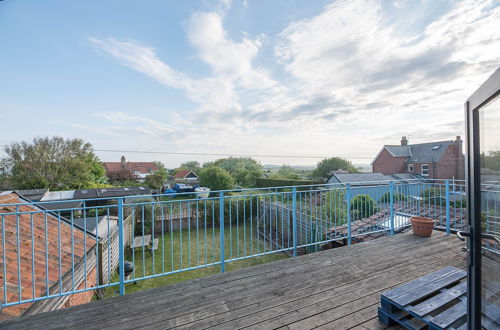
x=337, y=288
x=312, y=284
x=255, y=284
x=265, y=310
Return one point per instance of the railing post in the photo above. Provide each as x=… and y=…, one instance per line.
x=221, y=231
x=447, y=185
x=121, y=248
x=348, y=197
x=294, y=220
x=391, y=205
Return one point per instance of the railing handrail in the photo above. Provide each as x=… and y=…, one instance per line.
x=354, y=185
x=290, y=219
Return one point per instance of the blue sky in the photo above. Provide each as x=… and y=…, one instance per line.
x=320, y=78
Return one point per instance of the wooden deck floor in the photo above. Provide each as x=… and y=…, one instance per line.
x=333, y=289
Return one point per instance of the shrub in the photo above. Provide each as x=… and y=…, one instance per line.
x=434, y=192
x=154, y=181
x=235, y=208
x=142, y=211
x=362, y=206
x=386, y=198
x=265, y=183
x=437, y=195
x=89, y=213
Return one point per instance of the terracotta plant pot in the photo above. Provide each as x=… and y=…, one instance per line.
x=422, y=226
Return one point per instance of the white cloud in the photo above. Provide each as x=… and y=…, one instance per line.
x=143, y=59
x=227, y=58
x=353, y=52
x=128, y=124
x=210, y=93
x=350, y=78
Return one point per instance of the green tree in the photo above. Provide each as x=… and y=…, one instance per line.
x=123, y=177
x=244, y=170
x=216, y=178
x=54, y=163
x=4, y=174
x=192, y=166
x=286, y=172
x=154, y=180
x=491, y=160
x=162, y=170
x=326, y=166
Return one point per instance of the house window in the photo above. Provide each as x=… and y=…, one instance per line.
x=425, y=169
x=410, y=167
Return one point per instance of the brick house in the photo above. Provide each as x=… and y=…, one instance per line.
x=45, y=259
x=432, y=160
x=138, y=169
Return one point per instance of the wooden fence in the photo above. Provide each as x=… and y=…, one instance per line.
x=109, y=252
x=276, y=223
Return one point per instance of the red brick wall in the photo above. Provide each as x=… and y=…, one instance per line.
x=451, y=164
x=385, y=163
x=83, y=297
x=417, y=169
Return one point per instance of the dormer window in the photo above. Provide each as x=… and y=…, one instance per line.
x=410, y=167
x=425, y=169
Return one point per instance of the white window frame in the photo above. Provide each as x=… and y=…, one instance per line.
x=426, y=171
x=410, y=167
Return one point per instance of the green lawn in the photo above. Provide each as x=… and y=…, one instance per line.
x=207, y=250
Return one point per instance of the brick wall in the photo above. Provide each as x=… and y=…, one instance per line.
x=417, y=169
x=451, y=165
x=385, y=163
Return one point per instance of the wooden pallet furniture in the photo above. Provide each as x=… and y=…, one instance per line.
x=435, y=301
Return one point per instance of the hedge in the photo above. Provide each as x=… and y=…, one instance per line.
x=265, y=183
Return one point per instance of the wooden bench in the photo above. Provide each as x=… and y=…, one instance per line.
x=434, y=301
x=140, y=241
x=154, y=246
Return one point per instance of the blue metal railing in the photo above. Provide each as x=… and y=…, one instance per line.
x=72, y=250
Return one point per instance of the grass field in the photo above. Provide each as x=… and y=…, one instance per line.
x=198, y=248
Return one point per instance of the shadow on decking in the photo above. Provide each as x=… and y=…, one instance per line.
x=333, y=289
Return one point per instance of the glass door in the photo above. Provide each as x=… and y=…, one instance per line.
x=483, y=141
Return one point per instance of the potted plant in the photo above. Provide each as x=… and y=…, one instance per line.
x=422, y=226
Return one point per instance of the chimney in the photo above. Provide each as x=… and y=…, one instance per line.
x=123, y=161
x=404, y=141
x=458, y=141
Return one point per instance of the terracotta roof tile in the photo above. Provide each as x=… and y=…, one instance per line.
x=182, y=174
x=142, y=167
x=41, y=258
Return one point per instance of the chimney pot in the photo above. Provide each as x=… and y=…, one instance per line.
x=404, y=141
x=458, y=138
